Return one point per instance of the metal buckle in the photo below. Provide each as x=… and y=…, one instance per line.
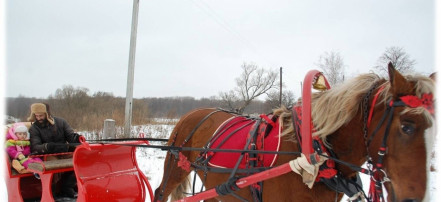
x=385, y=177
x=382, y=153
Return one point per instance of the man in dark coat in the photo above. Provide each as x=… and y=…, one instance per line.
x=50, y=134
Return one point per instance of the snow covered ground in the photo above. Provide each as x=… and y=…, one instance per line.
x=151, y=162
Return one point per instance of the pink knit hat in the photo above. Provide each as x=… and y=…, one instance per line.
x=17, y=128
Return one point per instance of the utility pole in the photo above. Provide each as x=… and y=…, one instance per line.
x=280, y=96
x=131, y=70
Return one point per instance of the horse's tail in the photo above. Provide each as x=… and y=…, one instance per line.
x=180, y=191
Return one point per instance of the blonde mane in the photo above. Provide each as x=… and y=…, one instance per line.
x=334, y=108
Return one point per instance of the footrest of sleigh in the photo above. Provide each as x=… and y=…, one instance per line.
x=109, y=172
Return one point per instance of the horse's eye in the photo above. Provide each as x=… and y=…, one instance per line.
x=407, y=128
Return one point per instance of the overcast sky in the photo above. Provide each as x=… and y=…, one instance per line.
x=196, y=47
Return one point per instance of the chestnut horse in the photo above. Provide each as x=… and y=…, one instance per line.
x=339, y=117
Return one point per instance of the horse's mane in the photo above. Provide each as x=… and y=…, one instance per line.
x=334, y=108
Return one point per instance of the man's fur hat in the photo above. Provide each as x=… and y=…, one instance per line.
x=40, y=108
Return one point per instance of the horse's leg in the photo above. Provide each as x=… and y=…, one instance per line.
x=174, y=177
x=193, y=130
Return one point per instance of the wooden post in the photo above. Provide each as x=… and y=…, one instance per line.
x=280, y=96
x=131, y=70
x=109, y=129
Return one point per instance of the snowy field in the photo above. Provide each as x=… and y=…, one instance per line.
x=151, y=162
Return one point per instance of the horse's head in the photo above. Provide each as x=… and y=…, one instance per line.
x=398, y=145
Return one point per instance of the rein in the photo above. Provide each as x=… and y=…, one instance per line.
x=178, y=149
x=175, y=150
x=377, y=179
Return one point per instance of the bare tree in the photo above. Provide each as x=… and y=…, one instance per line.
x=273, y=99
x=252, y=83
x=332, y=65
x=229, y=99
x=398, y=57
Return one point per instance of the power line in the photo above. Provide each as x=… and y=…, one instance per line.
x=202, y=5
x=223, y=23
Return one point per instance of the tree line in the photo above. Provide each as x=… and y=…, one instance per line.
x=88, y=112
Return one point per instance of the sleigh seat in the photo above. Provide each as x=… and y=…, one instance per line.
x=25, y=186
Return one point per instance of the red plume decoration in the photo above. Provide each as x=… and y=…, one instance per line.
x=425, y=101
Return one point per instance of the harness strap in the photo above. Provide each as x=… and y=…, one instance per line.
x=254, y=159
x=229, y=170
x=352, y=188
x=167, y=171
x=379, y=175
x=371, y=111
x=224, y=128
x=268, y=120
x=197, y=126
x=236, y=167
x=228, y=187
x=383, y=118
x=296, y=119
x=329, y=175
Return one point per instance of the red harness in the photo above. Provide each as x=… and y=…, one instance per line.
x=234, y=133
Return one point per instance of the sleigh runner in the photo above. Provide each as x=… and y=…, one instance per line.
x=370, y=120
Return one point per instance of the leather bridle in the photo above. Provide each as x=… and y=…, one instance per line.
x=378, y=174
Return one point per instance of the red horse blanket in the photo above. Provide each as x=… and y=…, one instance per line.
x=234, y=134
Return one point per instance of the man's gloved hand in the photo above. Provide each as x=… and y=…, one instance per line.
x=78, y=138
x=49, y=147
x=52, y=147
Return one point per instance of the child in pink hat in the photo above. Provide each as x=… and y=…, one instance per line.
x=18, y=147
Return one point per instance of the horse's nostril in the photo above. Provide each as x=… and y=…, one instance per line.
x=410, y=200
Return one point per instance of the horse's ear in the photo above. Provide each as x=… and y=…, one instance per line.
x=433, y=76
x=399, y=85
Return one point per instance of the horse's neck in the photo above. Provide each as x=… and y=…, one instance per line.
x=348, y=144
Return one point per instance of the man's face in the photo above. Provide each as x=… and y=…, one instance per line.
x=40, y=117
